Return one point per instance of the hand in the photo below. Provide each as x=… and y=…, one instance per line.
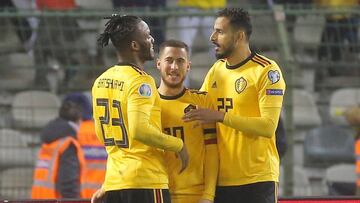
x=204, y=116
x=98, y=196
x=205, y=201
x=184, y=158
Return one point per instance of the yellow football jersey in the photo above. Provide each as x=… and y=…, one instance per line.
x=245, y=90
x=119, y=93
x=191, y=182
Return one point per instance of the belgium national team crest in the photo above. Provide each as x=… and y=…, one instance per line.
x=189, y=108
x=240, y=85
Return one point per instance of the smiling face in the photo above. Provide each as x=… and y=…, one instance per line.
x=223, y=37
x=173, y=64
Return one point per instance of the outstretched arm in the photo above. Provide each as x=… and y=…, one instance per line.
x=265, y=125
x=211, y=163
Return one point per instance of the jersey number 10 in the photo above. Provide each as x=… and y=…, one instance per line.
x=174, y=132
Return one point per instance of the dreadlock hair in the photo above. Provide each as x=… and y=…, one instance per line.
x=239, y=19
x=120, y=30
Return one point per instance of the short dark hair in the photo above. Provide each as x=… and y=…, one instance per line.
x=239, y=19
x=173, y=43
x=70, y=111
x=84, y=102
x=120, y=30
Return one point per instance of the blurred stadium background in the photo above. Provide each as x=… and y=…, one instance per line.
x=45, y=59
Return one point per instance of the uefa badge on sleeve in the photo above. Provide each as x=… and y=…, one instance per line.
x=145, y=90
x=274, y=76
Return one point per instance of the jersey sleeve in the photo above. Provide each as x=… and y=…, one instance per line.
x=264, y=126
x=271, y=87
x=141, y=99
x=211, y=163
x=141, y=95
x=209, y=131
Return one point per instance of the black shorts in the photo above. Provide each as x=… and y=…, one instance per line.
x=138, y=196
x=261, y=192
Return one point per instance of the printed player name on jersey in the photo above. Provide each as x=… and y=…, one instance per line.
x=110, y=83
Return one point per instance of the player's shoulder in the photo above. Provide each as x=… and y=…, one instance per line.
x=126, y=74
x=195, y=92
x=132, y=69
x=217, y=66
x=263, y=61
x=219, y=62
x=123, y=70
x=135, y=73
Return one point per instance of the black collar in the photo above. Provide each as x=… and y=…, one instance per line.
x=241, y=63
x=173, y=97
x=137, y=68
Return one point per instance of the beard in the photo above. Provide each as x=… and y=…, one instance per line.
x=226, y=53
x=172, y=85
x=146, y=54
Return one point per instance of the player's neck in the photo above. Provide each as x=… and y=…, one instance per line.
x=169, y=91
x=239, y=55
x=132, y=60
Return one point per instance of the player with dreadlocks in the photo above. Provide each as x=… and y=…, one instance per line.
x=127, y=119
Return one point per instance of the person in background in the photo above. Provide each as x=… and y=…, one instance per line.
x=127, y=117
x=190, y=25
x=157, y=24
x=198, y=181
x=54, y=48
x=352, y=115
x=339, y=28
x=94, y=151
x=23, y=26
x=60, y=160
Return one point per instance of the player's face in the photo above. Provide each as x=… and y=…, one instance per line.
x=223, y=37
x=173, y=65
x=146, y=42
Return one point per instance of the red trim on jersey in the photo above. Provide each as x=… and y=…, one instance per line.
x=211, y=141
x=158, y=196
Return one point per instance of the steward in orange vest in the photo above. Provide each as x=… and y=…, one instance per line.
x=95, y=159
x=94, y=151
x=352, y=115
x=60, y=160
x=357, y=163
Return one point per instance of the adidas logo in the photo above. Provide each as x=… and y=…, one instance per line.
x=214, y=85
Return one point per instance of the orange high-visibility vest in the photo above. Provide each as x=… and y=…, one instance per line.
x=357, y=160
x=95, y=159
x=46, y=169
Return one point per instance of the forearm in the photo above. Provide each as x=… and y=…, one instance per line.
x=211, y=168
x=143, y=131
x=261, y=126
